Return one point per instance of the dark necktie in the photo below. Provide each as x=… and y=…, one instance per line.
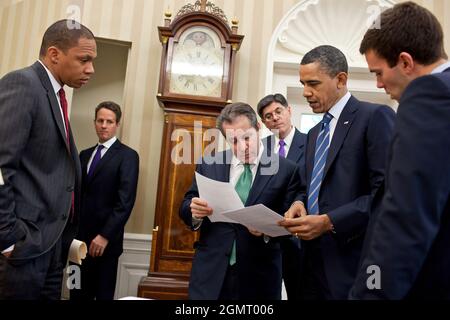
x=96, y=159
x=63, y=102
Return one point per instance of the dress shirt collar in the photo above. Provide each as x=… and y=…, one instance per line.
x=55, y=84
x=288, y=139
x=235, y=162
x=336, y=110
x=108, y=143
x=441, y=68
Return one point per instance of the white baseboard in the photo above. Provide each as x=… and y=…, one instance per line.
x=133, y=264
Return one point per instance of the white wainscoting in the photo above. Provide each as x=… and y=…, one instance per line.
x=133, y=264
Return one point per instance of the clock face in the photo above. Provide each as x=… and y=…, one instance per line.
x=197, y=63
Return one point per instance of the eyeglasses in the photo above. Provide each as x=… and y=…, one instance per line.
x=278, y=112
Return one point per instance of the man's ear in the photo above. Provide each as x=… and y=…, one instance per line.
x=406, y=62
x=258, y=125
x=53, y=54
x=342, y=80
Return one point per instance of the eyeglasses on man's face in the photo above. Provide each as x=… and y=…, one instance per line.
x=278, y=112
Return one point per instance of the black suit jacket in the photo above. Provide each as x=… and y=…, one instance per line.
x=409, y=234
x=353, y=172
x=259, y=263
x=40, y=170
x=108, y=195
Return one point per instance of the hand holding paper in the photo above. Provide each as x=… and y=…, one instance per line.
x=228, y=207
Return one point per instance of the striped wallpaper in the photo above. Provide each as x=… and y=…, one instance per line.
x=22, y=23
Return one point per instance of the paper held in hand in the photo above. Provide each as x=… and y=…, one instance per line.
x=2, y=182
x=228, y=207
x=77, y=251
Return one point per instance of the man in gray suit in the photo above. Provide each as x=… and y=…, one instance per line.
x=39, y=163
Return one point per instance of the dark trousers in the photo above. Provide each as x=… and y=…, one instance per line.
x=230, y=287
x=98, y=279
x=292, y=267
x=314, y=279
x=34, y=279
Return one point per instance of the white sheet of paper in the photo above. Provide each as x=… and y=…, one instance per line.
x=259, y=218
x=2, y=182
x=221, y=197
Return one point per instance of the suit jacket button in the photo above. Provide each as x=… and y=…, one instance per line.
x=64, y=216
x=69, y=189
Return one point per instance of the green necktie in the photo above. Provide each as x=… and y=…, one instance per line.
x=242, y=187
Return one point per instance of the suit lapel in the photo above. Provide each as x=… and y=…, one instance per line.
x=295, y=150
x=342, y=127
x=84, y=159
x=311, y=150
x=54, y=106
x=223, y=170
x=110, y=153
x=268, y=162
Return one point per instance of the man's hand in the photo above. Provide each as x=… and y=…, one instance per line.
x=7, y=254
x=200, y=209
x=255, y=233
x=303, y=226
x=297, y=209
x=98, y=246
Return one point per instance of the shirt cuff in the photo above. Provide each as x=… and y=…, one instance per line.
x=196, y=223
x=8, y=249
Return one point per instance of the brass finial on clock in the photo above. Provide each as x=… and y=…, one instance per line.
x=167, y=16
x=234, y=25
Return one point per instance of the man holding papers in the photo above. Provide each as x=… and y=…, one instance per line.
x=232, y=262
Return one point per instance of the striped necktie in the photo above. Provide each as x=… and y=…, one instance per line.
x=320, y=159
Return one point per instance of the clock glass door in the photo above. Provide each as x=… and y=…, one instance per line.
x=197, y=63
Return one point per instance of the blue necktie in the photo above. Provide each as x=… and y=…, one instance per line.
x=96, y=160
x=320, y=159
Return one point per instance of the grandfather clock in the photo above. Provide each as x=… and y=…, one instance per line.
x=196, y=82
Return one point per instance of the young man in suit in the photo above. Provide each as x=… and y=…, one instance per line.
x=39, y=163
x=288, y=142
x=345, y=162
x=409, y=230
x=110, y=176
x=230, y=261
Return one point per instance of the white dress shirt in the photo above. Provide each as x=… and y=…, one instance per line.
x=56, y=87
x=336, y=111
x=287, y=141
x=441, y=68
x=106, y=146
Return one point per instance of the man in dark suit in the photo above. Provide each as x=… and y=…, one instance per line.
x=345, y=162
x=110, y=176
x=230, y=261
x=406, y=252
x=39, y=163
x=288, y=142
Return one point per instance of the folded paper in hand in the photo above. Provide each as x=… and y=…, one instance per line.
x=77, y=251
x=228, y=207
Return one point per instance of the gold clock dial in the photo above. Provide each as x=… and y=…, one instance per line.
x=197, y=65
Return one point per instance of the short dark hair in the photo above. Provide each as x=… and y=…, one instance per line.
x=64, y=34
x=114, y=107
x=331, y=59
x=234, y=110
x=268, y=100
x=406, y=27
